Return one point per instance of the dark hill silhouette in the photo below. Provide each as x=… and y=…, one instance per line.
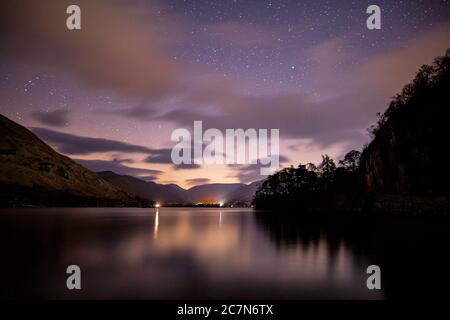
x=172, y=194
x=217, y=192
x=166, y=194
x=243, y=196
x=32, y=173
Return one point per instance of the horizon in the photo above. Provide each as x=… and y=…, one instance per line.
x=301, y=68
x=191, y=187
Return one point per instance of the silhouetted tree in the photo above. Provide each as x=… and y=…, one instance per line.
x=351, y=161
x=308, y=186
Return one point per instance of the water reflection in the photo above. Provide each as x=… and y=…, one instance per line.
x=156, y=224
x=186, y=253
x=409, y=249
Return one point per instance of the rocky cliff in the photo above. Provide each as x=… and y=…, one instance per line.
x=408, y=153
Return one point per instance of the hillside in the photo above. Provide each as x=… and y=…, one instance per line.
x=243, y=196
x=213, y=192
x=166, y=194
x=32, y=173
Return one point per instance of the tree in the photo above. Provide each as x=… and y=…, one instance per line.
x=351, y=161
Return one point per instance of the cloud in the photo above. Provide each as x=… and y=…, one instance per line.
x=247, y=173
x=124, y=47
x=389, y=72
x=117, y=166
x=237, y=34
x=55, y=118
x=346, y=103
x=73, y=144
x=119, y=46
x=186, y=166
x=160, y=156
x=251, y=172
x=197, y=181
x=163, y=156
x=293, y=114
x=370, y=83
x=140, y=111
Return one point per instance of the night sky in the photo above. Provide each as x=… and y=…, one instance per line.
x=111, y=94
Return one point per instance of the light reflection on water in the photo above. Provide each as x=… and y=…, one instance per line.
x=156, y=224
x=175, y=253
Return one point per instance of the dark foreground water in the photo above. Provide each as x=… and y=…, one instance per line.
x=212, y=253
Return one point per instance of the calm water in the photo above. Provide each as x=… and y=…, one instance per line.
x=198, y=253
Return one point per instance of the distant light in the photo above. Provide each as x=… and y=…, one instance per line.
x=220, y=204
x=157, y=205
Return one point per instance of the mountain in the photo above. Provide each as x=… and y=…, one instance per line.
x=167, y=194
x=32, y=173
x=237, y=193
x=213, y=192
x=244, y=195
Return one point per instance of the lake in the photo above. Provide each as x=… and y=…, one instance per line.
x=213, y=253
